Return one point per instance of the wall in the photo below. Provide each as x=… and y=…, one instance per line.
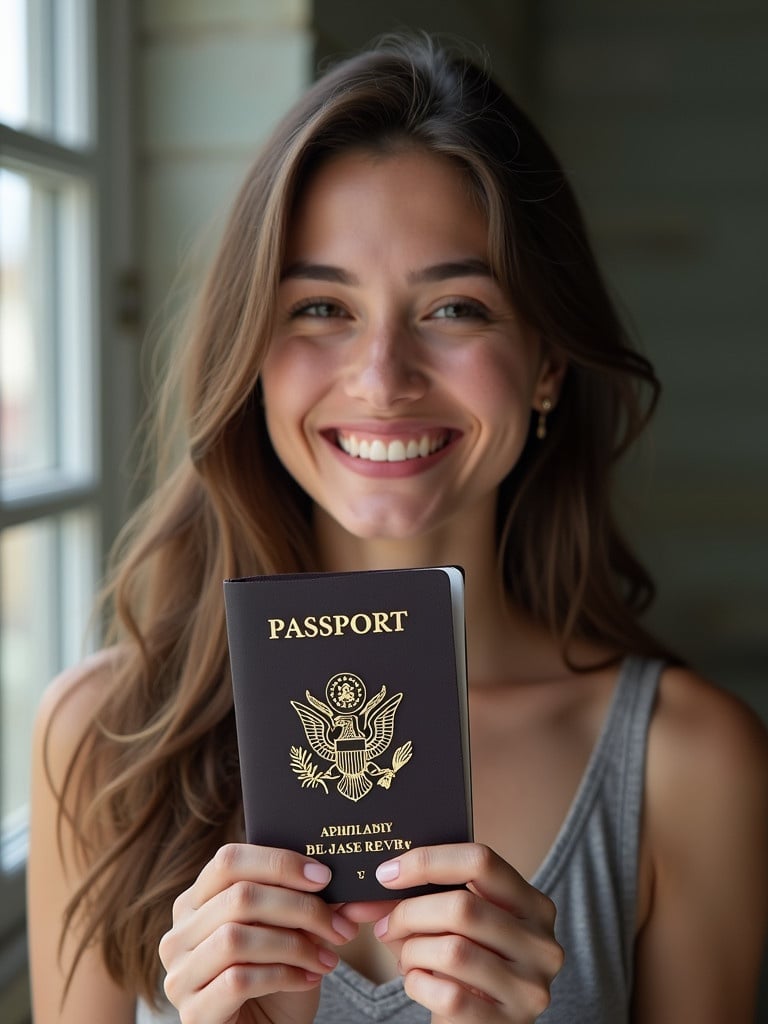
x=214, y=78
x=498, y=31
x=659, y=115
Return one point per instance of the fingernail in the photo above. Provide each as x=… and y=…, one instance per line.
x=312, y=976
x=388, y=871
x=345, y=928
x=381, y=926
x=327, y=957
x=316, y=872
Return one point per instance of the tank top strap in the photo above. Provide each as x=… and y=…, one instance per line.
x=634, y=703
x=614, y=777
x=591, y=871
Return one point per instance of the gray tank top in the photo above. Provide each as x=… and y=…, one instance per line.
x=590, y=872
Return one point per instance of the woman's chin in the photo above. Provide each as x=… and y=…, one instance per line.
x=386, y=521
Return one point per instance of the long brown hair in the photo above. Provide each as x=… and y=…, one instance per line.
x=161, y=793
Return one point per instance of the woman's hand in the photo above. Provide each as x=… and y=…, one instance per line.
x=483, y=953
x=251, y=940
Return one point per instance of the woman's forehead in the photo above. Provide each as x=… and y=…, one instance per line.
x=367, y=200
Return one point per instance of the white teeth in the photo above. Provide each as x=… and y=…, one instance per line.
x=379, y=450
x=396, y=451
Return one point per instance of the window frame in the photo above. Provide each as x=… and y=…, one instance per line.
x=105, y=164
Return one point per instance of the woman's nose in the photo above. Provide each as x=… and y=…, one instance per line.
x=383, y=368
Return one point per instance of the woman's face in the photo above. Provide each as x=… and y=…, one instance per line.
x=400, y=380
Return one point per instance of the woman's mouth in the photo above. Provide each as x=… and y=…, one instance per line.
x=372, y=448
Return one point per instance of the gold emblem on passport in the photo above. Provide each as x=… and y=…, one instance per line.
x=351, y=734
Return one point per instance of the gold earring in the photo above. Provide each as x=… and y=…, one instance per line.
x=541, y=429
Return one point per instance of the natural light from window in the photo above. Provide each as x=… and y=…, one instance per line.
x=49, y=478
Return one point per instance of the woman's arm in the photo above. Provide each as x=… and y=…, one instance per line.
x=67, y=708
x=706, y=835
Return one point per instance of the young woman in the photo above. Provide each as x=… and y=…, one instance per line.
x=404, y=356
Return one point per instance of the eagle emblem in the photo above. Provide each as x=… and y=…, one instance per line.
x=350, y=734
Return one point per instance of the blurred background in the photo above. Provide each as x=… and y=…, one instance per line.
x=125, y=128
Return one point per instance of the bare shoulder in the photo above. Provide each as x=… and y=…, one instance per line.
x=705, y=841
x=704, y=734
x=69, y=704
x=54, y=869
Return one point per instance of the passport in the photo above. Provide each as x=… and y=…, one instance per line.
x=350, y=696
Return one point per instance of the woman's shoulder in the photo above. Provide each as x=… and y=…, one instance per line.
x=65, y=716
x=707, y=764
x=69, y=704
x=700, y=727
x=705, y=843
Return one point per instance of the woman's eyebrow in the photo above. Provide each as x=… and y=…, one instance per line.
x=471, y=267
x=318, y=272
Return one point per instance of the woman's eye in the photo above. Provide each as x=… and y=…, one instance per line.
x=459, y=311
x=318, y=308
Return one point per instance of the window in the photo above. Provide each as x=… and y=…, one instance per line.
x=48, y=467
x=57, y=342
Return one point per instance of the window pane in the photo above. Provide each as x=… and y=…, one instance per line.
x=45, y=334
x=47, y=579
x=14, y=97
x=26, y=343
x=44, y=61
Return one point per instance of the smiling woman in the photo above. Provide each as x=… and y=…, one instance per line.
x=399, y=396
x=404, y=356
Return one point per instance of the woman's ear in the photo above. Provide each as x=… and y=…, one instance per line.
x=550, y=380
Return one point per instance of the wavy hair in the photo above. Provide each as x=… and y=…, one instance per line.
x=161, y=791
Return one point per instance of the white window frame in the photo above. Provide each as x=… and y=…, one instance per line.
x=106, y=166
